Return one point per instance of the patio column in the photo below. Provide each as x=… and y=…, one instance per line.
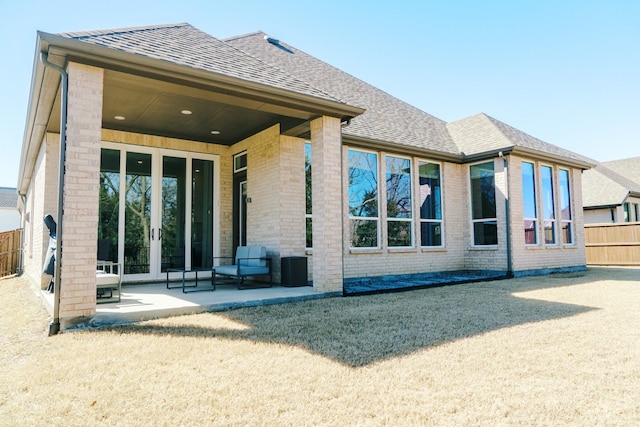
x=81, y=194
x=326, y=182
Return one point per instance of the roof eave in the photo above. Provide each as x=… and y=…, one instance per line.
x=109, y=58
x=369, y=143
x=65, y=49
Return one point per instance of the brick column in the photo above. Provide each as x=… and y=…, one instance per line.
x=81, y=194
x=326, y=181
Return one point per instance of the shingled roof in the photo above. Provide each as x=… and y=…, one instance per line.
x=186, y=45
x=257, y=58
x=386, y=119
x=602, y=187
x=8, y=197
x=481, y=133
x=628, y=168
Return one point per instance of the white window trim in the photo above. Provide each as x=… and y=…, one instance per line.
x=474, y=221
x=554, y=198
x=536, y=219
x=368, y=218
x=417, y=204
x=244, y=168
x=411, y=194
x=571, y=212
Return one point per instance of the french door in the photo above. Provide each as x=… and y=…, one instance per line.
x=157, y=210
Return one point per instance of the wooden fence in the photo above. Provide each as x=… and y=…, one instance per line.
x=10, y=245
x=613, y=244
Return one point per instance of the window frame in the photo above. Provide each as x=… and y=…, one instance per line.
x=563, y=221
x=553, y=220
x=389, y=219
x=534, y=219
x=376, y=219
x=485, y=220
x=308, y=210
x=418, y=202
x=235, y=159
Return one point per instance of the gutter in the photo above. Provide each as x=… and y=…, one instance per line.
x=54, y=326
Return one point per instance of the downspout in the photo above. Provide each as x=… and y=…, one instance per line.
x=54, y=326
x=507, y=213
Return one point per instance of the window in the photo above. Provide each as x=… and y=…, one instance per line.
x=363, y=199
x=529, y=204
x=565, y=207
x=399, y=206
x=483, y=204
x=430, y=204
x=635, y=208
x=625, y=207
x=548, y=207
x=240, y=162
x=307, y=173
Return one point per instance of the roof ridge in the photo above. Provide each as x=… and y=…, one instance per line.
x=243, y=36
x=123, y=30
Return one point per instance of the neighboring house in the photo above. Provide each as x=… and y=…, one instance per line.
x=9, y=214
x=181, y=146
x=610, y=197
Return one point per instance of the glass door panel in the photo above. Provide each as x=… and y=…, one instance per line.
x=137, y=229
x=171, y=233
x=109, y=208
x=202, y=213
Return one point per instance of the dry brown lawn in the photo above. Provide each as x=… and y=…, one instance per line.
x=552, y=350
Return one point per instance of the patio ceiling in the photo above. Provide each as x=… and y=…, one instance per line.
x=151, y=106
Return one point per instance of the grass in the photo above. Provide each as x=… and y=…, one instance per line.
x=552, y=350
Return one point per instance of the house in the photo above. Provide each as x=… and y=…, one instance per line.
x=609, y=196
x=9, y=214
x=180, y=146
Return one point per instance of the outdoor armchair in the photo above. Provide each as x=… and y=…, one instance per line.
x=249, y=261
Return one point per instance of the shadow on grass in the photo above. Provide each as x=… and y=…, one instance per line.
x=358, y=331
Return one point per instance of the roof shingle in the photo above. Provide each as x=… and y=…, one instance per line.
x=185, y=45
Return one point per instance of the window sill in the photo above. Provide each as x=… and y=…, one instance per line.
x=365, y=251
x=483, y=248
x=433, y=249
x=402, y=250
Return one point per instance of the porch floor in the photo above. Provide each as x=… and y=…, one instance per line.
x=149, y=301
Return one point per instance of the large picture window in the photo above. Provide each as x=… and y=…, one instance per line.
x=529, y=204
x=399, y=206
x=363, y=199
x=483, y=204
x=548, y=206
x=565, y=207
x=430, y=204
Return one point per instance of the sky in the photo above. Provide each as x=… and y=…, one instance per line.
x=566, y=72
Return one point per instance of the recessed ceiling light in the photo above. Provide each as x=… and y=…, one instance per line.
x=186, y=112
x=215, y=132
x=119, y=117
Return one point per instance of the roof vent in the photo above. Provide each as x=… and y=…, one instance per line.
x=272, y=40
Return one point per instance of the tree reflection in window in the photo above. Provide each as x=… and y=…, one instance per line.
x=363, y=198
x=399, y=206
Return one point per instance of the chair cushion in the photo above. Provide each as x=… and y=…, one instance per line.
x=253, y=252
x=106, y=279
x=245, y=270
